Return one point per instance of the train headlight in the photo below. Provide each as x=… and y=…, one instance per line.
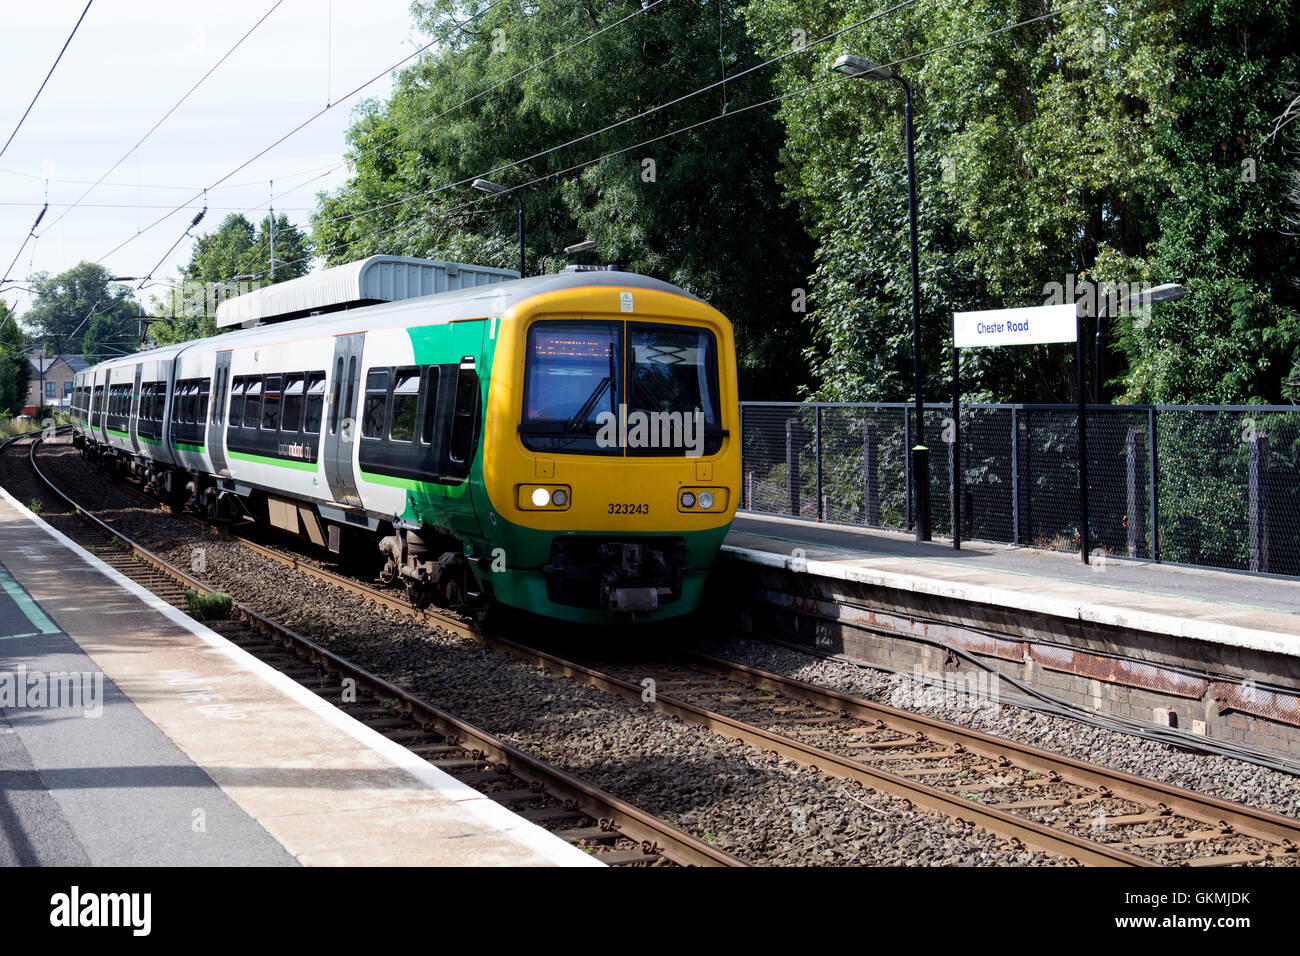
x=530, y=497
x=688, y=499
x=706, y=500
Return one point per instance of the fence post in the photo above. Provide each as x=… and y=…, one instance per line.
x=1135, y=502
x=1258, y=482
x=1015, y=476
x=907, y=465
x=792, y=489
x=871, y=473
x=1154, y=481
x=954, y=451
x=817, y=457
x=745, y=494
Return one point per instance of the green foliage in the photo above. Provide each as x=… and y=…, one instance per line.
x=710, y=220
x=1222, y=214
x=67, y=304
x=235, y=249
x=207, y=606
x=15, y=368
x=1033, y=152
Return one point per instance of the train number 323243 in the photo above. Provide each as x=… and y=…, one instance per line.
x=626, y=509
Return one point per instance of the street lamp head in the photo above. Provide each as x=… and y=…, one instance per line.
x=858, y=68
x=483, y=186
x=1169, y=292
x=577, y=247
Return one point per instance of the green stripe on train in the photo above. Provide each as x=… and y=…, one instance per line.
x=127, y=437
x=280, y=462
x=188, y=446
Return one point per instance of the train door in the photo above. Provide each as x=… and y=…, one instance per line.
x=133, y=423
x=217, y=415
x=341, y=427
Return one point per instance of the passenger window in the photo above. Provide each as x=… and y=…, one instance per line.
x=406, y=399
x=201, y=414
x=372, y=415
x=271, y=404
x=315, y=399
x=292, y=412
x=253, y=402
x=427, y=430
x=236, y=403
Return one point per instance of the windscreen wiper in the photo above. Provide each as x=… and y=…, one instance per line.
x=579, y=418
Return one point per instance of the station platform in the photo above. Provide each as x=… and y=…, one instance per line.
x=1221, y=645
x=172, y=746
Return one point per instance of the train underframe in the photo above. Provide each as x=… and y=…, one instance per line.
x=430, y=566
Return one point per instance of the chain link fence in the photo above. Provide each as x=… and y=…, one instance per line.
x=1216, y=486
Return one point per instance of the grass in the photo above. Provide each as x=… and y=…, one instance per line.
x=213, y=606
x=35, y=506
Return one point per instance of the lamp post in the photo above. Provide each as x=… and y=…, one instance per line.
x=1169, y=292
x=858, y=68
x=583, y=246
x=492, y=189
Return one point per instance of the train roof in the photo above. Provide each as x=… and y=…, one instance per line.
x=469, y=303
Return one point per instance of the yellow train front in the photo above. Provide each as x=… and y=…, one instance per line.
x=611, y=450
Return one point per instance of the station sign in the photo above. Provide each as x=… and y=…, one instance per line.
x=1034, y=325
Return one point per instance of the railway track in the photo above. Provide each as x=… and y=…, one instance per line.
x=612, y=830
x=1087, y=813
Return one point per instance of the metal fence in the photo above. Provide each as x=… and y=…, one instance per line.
x=1217, y=486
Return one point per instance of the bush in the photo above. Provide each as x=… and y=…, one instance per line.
x=210, y=606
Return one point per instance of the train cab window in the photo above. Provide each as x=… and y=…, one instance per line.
x=406, y=399
x=236, y=402
x=253, y=402
x=315, y=400
x=372, y=416
x=573, y=375
x=429, y=427
x=465, y=415
x=292, y=411
x=271, y=403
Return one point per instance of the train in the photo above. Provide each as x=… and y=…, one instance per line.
x=565, y=444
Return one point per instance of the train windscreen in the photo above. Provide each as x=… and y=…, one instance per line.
x=618, y=388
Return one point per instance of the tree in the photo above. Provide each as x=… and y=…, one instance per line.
x=1222, y=214
x=106, y=338
x=1033, y=153
x=701, y=209
x=15, y=368
x=66, y=303
x=219, y=260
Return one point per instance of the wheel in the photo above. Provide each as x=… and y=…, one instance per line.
x=453, y=592
x=419, y=594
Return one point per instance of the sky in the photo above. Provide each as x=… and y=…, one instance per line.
x=127, y=65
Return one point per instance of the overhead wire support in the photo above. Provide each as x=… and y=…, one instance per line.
x=47, y=77
x=174, y=108
x=31, y=234
x=308, y=121
x=198, y=218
